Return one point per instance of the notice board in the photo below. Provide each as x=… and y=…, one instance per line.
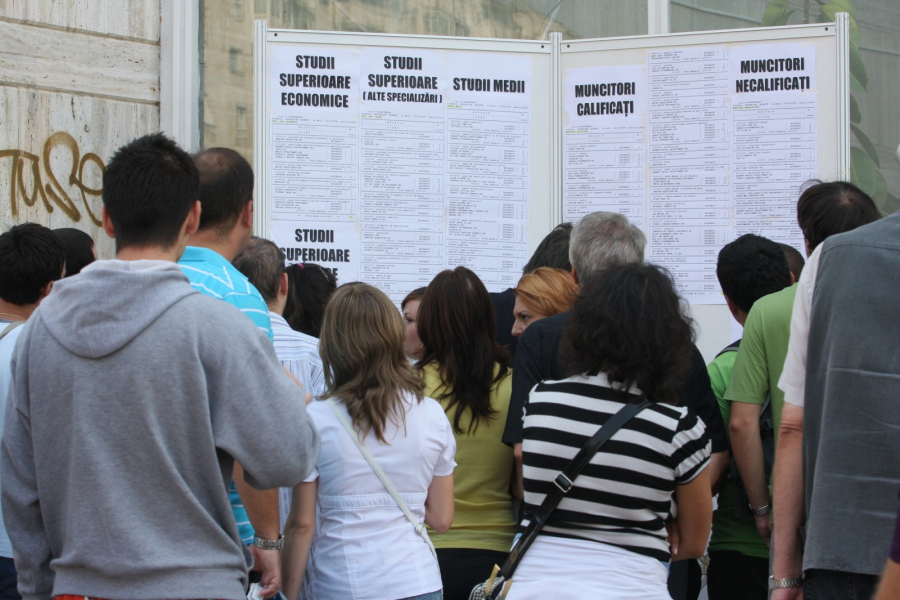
x=390, y=157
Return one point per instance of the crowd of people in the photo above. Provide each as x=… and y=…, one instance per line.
x=194, y=419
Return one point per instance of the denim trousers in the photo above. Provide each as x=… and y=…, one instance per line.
x=8, y=580
x=819, y=584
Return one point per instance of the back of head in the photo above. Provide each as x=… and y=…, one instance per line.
x=826, y=209
x=751, y=267
x=795, y=260
x=363, y=358
x=226, y=186
x=457, y=327
x=263, y=264
x=309, y=289
x=548, y=291
x=31, y=256
x=79, y=249
x=149, y=187
x=553, y=251
x=604, y=239
x=629, y=323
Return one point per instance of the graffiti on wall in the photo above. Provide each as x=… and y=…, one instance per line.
x=46, y=186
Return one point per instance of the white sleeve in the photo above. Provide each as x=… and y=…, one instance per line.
x=793, y=377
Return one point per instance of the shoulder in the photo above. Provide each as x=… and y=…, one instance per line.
x=544, y=332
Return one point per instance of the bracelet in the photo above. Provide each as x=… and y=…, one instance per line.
x=787, y=582
x=264, y=544
x=762, y=510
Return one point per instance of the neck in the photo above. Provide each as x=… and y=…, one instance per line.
x=209, y=240
x=171, y=254
x=9, y=311
x=277, y=306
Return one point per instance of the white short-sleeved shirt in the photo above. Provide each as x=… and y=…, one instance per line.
x=793, y=377
x=365, y=547
x=7, y=348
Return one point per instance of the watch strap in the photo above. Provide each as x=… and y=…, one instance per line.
x=265, y=544
x=786, y=582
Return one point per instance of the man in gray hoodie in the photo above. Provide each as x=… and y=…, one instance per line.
x=132, y=397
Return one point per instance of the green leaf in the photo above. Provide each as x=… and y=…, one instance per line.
x=858, y=68
x=831, y=10
x=866, y=175
x=844, y=5
x=891, y=204
x=866, y=143
x=855, y=85
x=774, y=11
x=855, y=113
x=784, y=18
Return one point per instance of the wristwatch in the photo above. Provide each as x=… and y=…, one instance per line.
x=787, y=582
x=762, y=510
x=268, y=544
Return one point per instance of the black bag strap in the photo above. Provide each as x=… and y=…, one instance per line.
x=732, y=347
x=564, y=482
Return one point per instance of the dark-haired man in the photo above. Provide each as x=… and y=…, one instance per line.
x=80, y=249
x=795, y=260
x=748, y=268
x=132, y=397
x=553, y=252
x=822, y=210
x=226, y=221
x=31, y=258
x=839, y=441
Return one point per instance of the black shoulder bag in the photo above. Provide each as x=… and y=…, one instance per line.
x=497, y=586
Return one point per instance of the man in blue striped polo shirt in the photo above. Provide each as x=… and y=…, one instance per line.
x=226, y=219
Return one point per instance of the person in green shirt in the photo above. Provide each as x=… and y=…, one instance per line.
x=469, y=374
x=748, y=269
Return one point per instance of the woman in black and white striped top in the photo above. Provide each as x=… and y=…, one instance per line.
x=627, y=336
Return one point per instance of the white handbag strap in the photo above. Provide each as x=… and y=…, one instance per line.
x=379, y=472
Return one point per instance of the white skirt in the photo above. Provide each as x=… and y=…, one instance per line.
x=566, y=569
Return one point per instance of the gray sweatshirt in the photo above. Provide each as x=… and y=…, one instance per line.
x=132, y=395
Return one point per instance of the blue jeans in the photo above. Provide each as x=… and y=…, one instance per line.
x=429, y=596
x=819, y=584
x=8, y=580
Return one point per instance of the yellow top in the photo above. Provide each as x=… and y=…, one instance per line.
x=484, y=518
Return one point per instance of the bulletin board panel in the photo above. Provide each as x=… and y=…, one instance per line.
x=701, y=137
x=391, y=157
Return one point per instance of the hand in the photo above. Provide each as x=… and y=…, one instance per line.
x=308, y=398
x=795, y=593
x=674, y=537
x=269, y=563
x=764, y=527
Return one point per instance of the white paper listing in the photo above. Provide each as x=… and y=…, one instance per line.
x=605, y=142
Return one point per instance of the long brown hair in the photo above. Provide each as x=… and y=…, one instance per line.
x=362, y=355
x=458, y=330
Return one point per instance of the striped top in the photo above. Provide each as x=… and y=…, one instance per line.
x=299, y=354
x=211, y=274
x=625, y=495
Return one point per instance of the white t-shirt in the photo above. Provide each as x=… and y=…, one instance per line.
x=793, y=378
x=7, y=346
x=365, y=547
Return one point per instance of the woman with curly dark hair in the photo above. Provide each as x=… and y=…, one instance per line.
x=627, y=338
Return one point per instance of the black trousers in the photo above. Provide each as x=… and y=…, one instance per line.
x=819, y=584
x=735, y=576
x=685, y=577
x=464, y=568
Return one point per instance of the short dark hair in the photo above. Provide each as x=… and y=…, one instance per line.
x=458, y=329
x=553, y=251
x=629, y=323
x=795, y=260
x=226, y=186
x=826, y=209
x=263, y=264
x=310, y=286
x=751, y=267
x=149, y=187
x=31, y=256
x=79, y=249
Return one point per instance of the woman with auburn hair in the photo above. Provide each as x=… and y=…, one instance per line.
x=410, y=310
x=365, y=546
x=468, y=373
x=542, y=293
x=627, y=339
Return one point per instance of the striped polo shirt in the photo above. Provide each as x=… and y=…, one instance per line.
x=625, y=495
x=211, y=274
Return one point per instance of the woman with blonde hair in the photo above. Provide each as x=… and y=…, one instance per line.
x=365, y=546
x=542, y=293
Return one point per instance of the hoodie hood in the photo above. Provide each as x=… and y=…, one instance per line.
x=108, y=304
